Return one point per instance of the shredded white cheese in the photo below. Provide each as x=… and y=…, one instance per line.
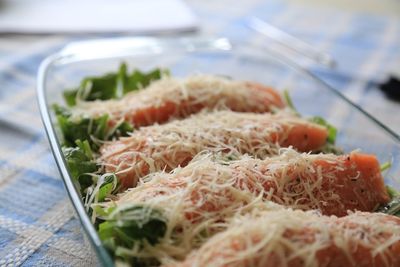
x=167, y=146
x=296, y=238
x=182, y=97
x=199, y=199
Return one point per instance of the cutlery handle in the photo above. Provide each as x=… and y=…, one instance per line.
x=291, y=42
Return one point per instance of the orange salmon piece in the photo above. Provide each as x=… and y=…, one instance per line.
x=171, y=98
x=332, y=184
x=299, y=239
x=165, y=147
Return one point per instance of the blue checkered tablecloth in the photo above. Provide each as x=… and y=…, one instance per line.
x=37, y=223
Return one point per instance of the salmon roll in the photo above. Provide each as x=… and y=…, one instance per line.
x=178, y=98
x=165, y=147
x=300, y=239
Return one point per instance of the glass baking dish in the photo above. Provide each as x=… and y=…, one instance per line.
x=311, y=96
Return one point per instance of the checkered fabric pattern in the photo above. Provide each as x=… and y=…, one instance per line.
x=37, y=223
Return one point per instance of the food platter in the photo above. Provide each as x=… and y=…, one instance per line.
x=357, y=130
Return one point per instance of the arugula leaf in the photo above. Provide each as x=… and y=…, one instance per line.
x=85, y=147
x=131, y=225
x=393, y=207
x=111, y=85
x=109, y=185
x=392, y=192
x=385, y=166
x=332, y=131
x=84, y=128
x=289, y=102
x=80, y=163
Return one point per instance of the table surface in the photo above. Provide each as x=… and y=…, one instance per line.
x=37, y=224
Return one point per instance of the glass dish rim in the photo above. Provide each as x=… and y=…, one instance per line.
x=130, y=46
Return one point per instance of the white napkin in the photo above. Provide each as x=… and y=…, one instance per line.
x=95, y=16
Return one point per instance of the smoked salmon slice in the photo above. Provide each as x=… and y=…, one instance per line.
x=165, y=147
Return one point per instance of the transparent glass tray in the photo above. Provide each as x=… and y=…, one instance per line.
x=311, y=96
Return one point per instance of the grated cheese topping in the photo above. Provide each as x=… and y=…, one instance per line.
x=188, y=95
x=297, y=238
x=199, y=199
x=167, y=146
x=228, y=212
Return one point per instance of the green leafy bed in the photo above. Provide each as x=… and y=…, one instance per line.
x=111, y=85
x=81, y=139
x=123, y=228
x=82, y=135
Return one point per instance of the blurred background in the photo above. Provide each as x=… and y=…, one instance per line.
x=352, y=45
x=361, y=37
